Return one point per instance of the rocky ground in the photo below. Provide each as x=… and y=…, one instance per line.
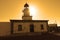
x=44, y=36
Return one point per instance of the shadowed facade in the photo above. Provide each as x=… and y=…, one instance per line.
x=27, y=24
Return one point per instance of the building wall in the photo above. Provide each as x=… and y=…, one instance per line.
x=52, y=27
x=26, y=27
x=27, y=17
x=4, y=28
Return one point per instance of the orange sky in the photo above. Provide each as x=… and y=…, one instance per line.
x=46, y=10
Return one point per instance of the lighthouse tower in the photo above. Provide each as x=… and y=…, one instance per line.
x=26, y=12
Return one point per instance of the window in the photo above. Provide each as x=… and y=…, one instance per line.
x=19, y=27
x=42, y=26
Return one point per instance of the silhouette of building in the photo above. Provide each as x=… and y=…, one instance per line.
x=26, y=25
x=52, y=27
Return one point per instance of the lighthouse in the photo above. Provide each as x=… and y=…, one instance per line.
x=26, y=13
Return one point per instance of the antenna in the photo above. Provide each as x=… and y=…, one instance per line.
x=55, y=22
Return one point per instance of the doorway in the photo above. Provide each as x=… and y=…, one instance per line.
x=31, y=28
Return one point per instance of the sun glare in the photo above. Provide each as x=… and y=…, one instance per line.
x=32, y=10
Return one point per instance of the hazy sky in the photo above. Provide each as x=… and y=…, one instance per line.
x=46, y=10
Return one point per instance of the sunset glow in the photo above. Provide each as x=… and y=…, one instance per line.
x=33, y=10
x=39, y=9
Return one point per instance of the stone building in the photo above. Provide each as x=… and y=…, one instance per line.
x=52, y=28
x=4, y=28
x=27, y=25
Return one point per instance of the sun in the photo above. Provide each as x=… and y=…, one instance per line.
x=32, y=10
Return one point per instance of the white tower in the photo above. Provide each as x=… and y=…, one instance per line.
x=26, y=12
